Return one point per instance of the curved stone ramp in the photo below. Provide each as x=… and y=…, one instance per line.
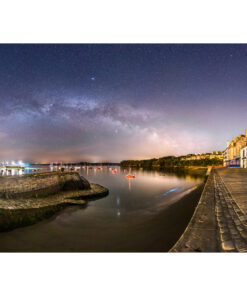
x=65, y=197
x=23, y=212
x=201, y=232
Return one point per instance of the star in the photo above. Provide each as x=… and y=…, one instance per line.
x=93, y=78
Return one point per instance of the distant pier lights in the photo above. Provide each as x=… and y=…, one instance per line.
x=8, y=168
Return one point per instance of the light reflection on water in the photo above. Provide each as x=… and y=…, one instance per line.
x=135, y=216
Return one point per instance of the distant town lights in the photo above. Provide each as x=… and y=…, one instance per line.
x=12, y=162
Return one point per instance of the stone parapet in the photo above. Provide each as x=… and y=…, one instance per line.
x=41, y=184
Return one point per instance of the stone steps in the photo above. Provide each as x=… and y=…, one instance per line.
x=232, y=222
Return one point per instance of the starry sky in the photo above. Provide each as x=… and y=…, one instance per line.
x=109, y=102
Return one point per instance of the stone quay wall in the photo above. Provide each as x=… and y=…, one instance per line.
x=41, y=184
x=201, y=233
x=219, y=223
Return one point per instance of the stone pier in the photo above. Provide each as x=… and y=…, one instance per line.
x=219, y=223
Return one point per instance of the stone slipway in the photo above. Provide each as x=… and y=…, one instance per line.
x=23, y=212
x=219, y=223
x=28, y=199
x=76, y=197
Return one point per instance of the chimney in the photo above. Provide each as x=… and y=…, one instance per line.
x=246, y=133
x=227, y=143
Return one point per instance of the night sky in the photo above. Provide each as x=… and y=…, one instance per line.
x=115, y=102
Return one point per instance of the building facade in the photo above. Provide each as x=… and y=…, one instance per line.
x=243, y=159
x=198, y=156
x=232, y=154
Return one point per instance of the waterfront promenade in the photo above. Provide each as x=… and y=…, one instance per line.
x=219, y=223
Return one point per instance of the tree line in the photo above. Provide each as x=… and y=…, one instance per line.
x=171, y=161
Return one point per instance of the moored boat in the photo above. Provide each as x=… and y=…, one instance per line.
x=130, y=176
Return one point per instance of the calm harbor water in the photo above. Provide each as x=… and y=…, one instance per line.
x=147, y=213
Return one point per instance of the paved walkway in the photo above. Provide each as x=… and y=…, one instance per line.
x=220, y=219
x=231, y=208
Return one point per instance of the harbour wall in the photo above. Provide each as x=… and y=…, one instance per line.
x=41, y=184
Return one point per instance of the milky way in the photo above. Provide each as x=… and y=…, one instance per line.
x=114, y=102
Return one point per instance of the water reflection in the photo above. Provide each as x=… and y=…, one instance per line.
x=129, y=183
x=147, y=213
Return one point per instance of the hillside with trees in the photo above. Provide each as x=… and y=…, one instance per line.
x=171, y=161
